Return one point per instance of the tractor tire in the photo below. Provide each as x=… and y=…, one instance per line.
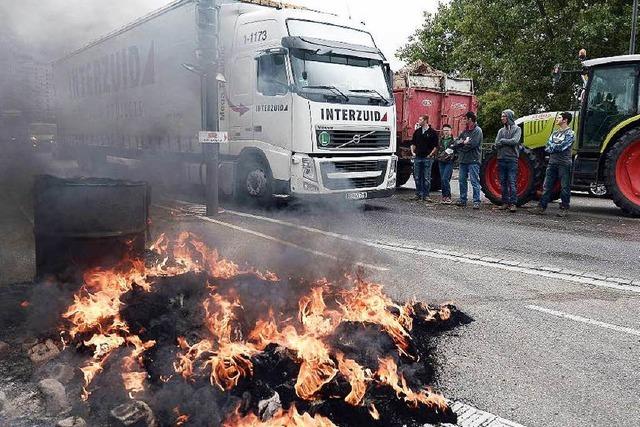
x=528, y=179
x=255, y=184
x=404, y=173
x=622, y=172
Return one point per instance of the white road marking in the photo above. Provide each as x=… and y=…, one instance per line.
x=280, y=241
x=586, y=320
x=468, y=416
x=508, y=265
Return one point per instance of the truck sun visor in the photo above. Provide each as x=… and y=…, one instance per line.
x=335, y=47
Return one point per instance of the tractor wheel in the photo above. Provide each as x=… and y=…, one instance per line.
x=527, y=181
x=622, y=172
x=404, y=173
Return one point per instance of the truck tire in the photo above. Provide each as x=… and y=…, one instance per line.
x=528, y=179
x=404, y=173
x=436, y=180
x=255, y=183
x=622, y=172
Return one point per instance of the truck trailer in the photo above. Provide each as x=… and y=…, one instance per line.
x=305, y=98
x=419, y=90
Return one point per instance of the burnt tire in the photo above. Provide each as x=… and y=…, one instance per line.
x=255, y=183
x=527, y=181
x=622, y=172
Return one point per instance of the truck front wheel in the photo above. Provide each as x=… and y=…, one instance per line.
x=527, y=181
x=622, y=172
x=255, y=182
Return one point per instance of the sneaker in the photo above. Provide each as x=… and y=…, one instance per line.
x=538, y=210
x=416, y=198
x=428, y=199
x=476, y=205
x=503, y=207
x=446, y=200
x=461, y=204
x=512, y=209
x=562, y=213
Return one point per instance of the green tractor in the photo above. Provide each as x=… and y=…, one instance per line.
x=607, y=148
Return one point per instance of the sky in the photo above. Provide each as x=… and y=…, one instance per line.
x=54, y=27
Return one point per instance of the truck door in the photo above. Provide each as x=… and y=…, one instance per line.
x=273, y=100
x=241, y=89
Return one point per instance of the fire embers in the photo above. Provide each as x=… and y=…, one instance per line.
x=273, y=352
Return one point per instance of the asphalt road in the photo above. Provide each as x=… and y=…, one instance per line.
x=545, y=349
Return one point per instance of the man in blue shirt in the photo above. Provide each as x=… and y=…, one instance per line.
x=559, y=146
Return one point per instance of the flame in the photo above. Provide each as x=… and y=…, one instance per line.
x=181, y=419
x=357, y=377
x=388, y=374
x=366, y=303
x=290, y=418
x=373, y=411
x=224, y=355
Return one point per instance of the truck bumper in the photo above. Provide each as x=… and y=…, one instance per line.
x=346, y=196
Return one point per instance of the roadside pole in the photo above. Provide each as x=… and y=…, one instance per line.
x=207, y=54
x=634, y=28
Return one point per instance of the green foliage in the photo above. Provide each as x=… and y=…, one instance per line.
x=509, y=48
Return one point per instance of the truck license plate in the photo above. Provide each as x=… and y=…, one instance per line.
x=357, y=196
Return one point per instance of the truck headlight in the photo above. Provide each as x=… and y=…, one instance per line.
x=393, y=166
x=309, y=169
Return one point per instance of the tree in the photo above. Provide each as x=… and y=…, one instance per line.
x=509, y=47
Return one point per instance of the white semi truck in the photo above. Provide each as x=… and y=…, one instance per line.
x=304, y=96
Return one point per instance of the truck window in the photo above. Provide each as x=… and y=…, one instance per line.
x=272, y=75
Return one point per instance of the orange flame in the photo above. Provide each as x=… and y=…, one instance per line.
x=373, y=411
x=368, y=304
x=388, y=374
x=357, y=377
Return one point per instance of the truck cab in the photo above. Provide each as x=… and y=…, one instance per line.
x=307, y=104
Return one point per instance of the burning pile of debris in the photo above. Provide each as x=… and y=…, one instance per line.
x=184, y=337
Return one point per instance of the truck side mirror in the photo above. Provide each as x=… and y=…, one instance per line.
x=388, y=74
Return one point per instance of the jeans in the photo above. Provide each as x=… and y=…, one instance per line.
x=422, y=174
x=446, y=170
x=508, y=170
x=554, y=174
x=469, y=170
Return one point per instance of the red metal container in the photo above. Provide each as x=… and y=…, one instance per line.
x=443, y=99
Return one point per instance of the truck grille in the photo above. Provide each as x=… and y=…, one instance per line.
x=378, y=139
x=351, y=166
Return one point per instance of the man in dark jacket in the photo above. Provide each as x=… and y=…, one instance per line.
x=424, y=145
x=468, y=147
x=508, y=146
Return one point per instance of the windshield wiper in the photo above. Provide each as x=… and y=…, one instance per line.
x=382, y=98
x=333, y=88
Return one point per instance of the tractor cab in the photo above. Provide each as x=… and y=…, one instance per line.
x=609, y=100
x=608, y=148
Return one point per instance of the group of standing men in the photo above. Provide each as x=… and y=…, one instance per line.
x=427, y=148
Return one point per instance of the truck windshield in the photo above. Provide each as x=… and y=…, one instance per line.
x=317, y=76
